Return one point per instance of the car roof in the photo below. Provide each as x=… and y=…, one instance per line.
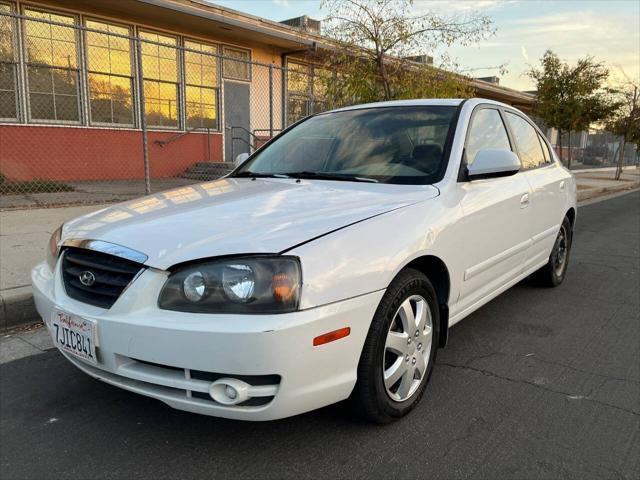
x=421, y=102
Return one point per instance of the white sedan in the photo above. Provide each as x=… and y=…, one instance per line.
x=331, y=264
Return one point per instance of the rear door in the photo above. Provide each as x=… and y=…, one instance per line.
x=548, y=185
x=495, y=216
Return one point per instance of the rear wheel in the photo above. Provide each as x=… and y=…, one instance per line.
x=400, y=349
x=554, y=272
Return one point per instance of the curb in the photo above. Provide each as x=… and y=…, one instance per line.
x=603, y=169
x=17, y=308
x=590, y=193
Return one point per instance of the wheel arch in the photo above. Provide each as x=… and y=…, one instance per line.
x=571, y=214
x=437, y=272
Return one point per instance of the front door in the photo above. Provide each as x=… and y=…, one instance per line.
x=237, y=124
x=495, y=222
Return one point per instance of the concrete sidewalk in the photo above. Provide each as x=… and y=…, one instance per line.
x=24, y=342
x=24, y=235
x=90, y=192
x=595, y=182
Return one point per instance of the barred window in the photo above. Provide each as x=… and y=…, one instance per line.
x=239, y=69
x=160, y=78
x=109, y=74
x=306, y=90
x=201, y=78
x=298, y=91
x=8, y=65
x=298, y=78
x=320, y=82
x=52, y=67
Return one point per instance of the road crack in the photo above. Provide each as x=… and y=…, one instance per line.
x=469, y=432
x=534, y=357
x=539, y=386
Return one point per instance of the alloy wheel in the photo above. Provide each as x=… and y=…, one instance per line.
x=560, y=250
x=407, y=348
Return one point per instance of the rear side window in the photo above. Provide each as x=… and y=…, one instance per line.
x=527, y=140
x=545, y=149
x=486, y=131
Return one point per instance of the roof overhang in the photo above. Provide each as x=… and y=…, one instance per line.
x=518, y=99
x=267, y=31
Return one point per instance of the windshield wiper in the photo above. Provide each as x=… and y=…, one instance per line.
x=261, y=175
x=343, y=177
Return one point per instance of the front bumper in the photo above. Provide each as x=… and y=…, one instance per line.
x=173, y=356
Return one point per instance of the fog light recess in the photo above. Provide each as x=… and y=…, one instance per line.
x=229, y=391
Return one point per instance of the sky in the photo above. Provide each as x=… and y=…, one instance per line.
x=608, y=30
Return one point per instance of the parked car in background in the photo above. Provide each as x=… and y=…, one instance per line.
x=330, y=265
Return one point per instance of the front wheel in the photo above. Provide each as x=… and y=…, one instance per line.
x=554, y=272
x=400, y=349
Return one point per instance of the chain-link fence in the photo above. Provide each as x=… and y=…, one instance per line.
x=92, y=113
x=95, y=111
x=595, y=149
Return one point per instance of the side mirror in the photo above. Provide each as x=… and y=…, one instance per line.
x=240, y=159
x=493, y=162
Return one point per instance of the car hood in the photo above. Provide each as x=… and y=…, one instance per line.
x=237, y=216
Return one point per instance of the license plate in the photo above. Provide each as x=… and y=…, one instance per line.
x=74, y=335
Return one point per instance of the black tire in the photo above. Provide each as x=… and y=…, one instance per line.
x=555, y=271
x=370, y=397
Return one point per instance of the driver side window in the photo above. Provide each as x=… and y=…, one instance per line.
x=485, y=131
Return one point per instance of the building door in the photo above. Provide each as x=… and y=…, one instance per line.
x=236, y=119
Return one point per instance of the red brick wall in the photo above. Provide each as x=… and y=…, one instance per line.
x=66, y=153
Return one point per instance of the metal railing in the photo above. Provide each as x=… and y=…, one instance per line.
x=255, y=142
x=178, y=136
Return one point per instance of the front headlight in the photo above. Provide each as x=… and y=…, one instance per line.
x=259, y=284
x=54, y=248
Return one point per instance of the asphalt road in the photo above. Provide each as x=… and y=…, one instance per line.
x=540, y=383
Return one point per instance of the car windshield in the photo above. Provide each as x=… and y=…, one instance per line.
x=386, y=144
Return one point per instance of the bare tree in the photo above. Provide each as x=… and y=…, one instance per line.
x=375, y=37
x=626, y=121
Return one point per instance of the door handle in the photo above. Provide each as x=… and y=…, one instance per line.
x=524, y=201
x=562, y=186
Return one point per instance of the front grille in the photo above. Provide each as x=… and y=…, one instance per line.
x=105, y=276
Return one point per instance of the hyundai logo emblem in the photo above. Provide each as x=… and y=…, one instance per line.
x=87, y=278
